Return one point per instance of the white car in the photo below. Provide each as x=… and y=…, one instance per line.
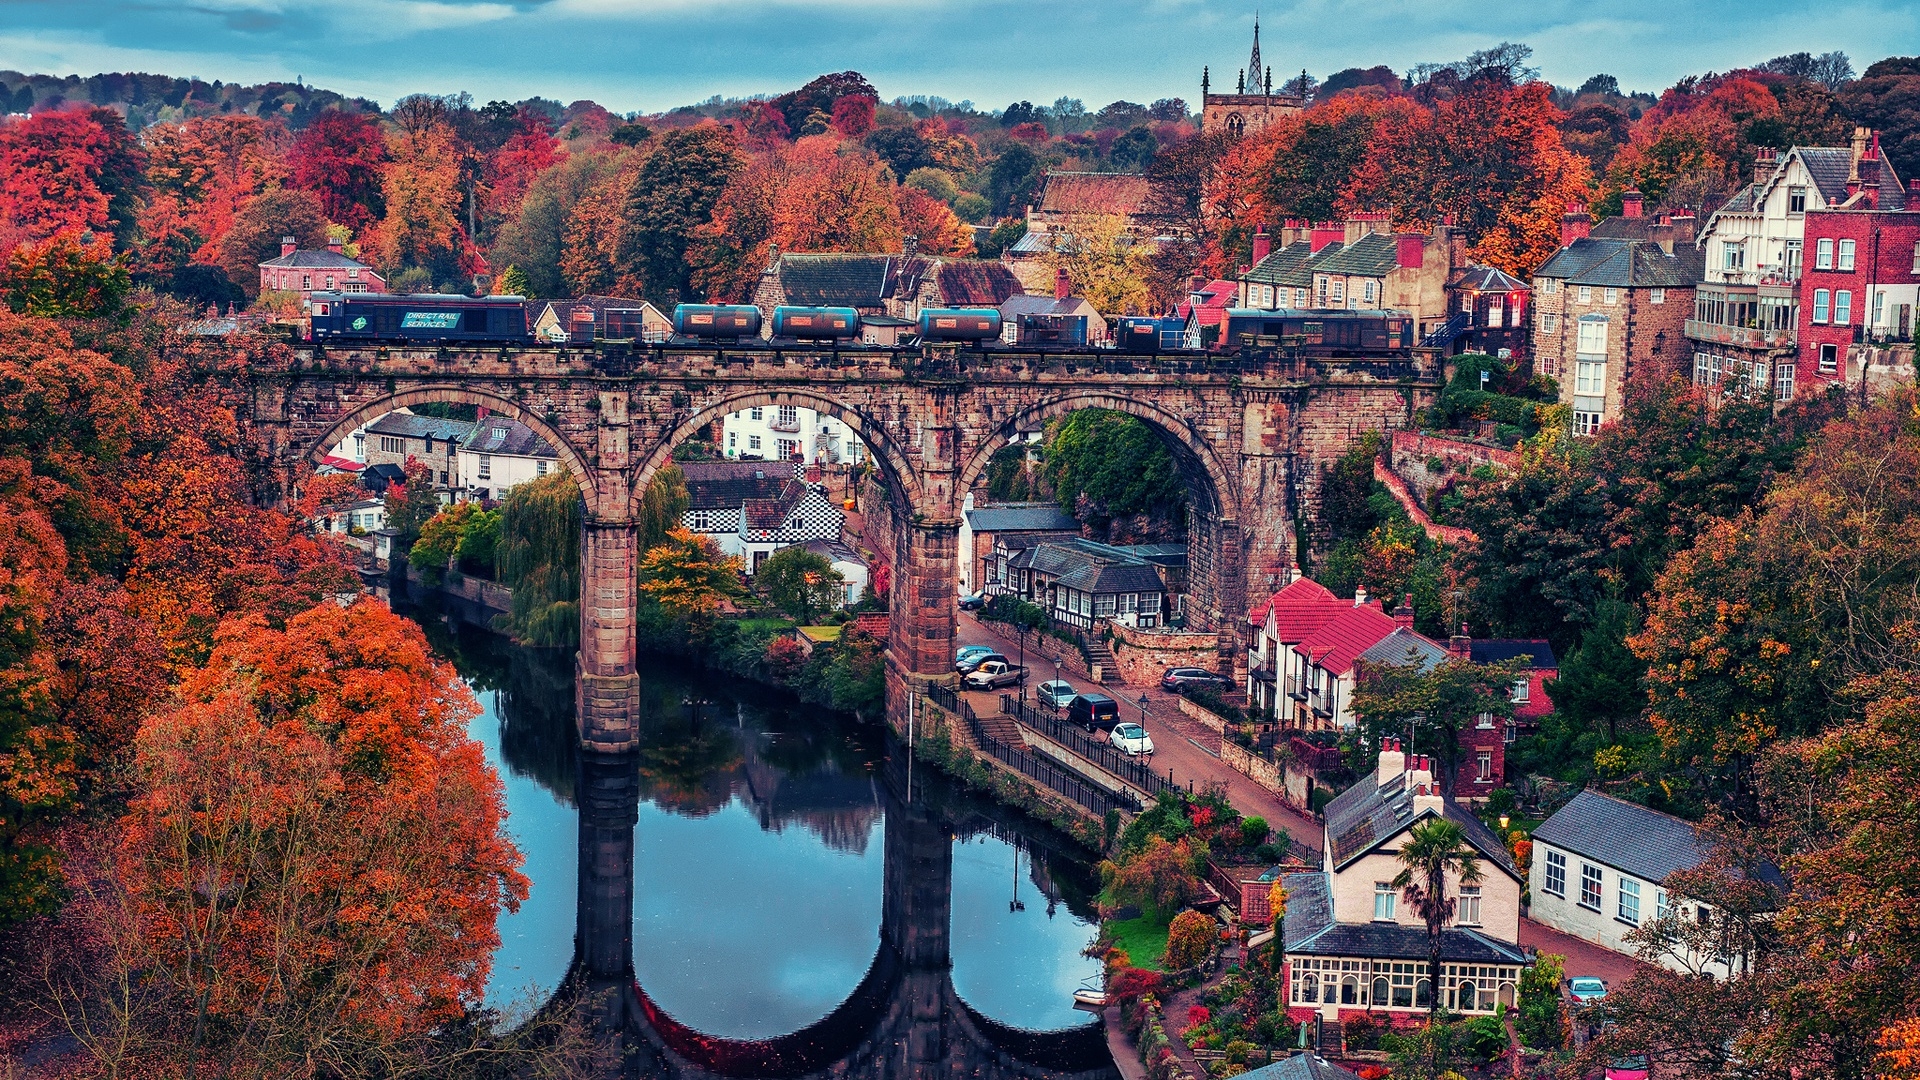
x=1055, y=692
x=1131, y=739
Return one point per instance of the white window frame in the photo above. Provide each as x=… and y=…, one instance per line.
x=1467, y=912
x=1590, y=873
x=1483, y=761
x=1823, y=254
x=1590, y=336
x=1590, y=378
x=1586, y=294
x=1383, y=899
x=486, y=467
x=1822, y=301
x=1587, y=423
x=1522, y=690
x=1611, y=296
x=1783, y=382
x=1662, y=904
x=1556, y=876
x=1847, y=248
x=1549, y=324
x=1656, y=296
x=753, y=442
x=540, y=467
x=1829, y=358
x=1627, y=903
x=1843, y=307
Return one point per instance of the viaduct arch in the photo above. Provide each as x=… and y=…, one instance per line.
x=1250, y=433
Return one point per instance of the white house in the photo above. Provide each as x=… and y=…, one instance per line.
x=499, y=455
x=367, y=516
x=788, y=433
x=752, y=510
x=1600, y=869
x=847, y=563
x=1351, y=941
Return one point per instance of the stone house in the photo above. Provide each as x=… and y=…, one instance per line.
x=400, y=436
x=1351, y=943
x=306, y=272
x=586, y=319
x=1600, y=870
x=1080, y=582
x=752, y=510
x=893, y=286
x=1069, y=197
x=499, y=455
x=1608, y=310
x=981, y=527
x=1356, y=264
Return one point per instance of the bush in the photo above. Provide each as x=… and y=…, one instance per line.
x=1253, y=831
x=1190, y=940
x=1213, y=703
x=1318, y=799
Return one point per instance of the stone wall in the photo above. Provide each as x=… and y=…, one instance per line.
x=1429, y=462
x=1144, y=655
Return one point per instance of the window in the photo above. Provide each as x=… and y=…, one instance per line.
x=1299, y=298
x=1522, y=691
x=1483, y=762
x=1103, y=606
x=1551, y=286
x=1469, y=909
x=1794, y=253
x=790, y=415
x=1879, y=308
x=1320, y=290
x=443, y=478
x=1629, y=907
x=329, y=281
x=1556, y=884
x=1369, y=286
x=1466, y=303
x=1612, y=296
x=1586, y=423
x=787, y=449
x=1916, y=256
x=1590, y=886
x=1590, y=377
x=1662, y=905
x=1821, y=298
x=359, y=447
x=486, y=467
x=1846, y=255
x=1593, y=335
x=753, y=442
x=1823, y=255
x=540, y=468
x=755, y=414
x=306, y=281
x=1586, y=294
x=702, y=522
x=1496, y=312
x=1733, y=256
x=1843, y=307
x=1656, y=296
x=1339, y=286
x=1783, y=383
x=1382, y=901
x=1829, y=359
x=390, y=444
x=733, y=439
x=1796, y=200
x=1549, y=324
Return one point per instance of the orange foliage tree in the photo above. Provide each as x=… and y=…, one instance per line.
x=422, y=192
x=211, y=166
x=74, y=168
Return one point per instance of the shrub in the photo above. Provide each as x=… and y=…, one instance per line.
x=1253, y=831
x=1237, y=1051
x=1197, y=1015
x=1190, y=940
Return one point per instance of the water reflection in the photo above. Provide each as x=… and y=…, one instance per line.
x=754, y=877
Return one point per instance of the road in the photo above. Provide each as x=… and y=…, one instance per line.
x=1191, y=751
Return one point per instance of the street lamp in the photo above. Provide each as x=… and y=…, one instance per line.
x=1053, y=698
x=1503, y=823
x=1023, y=665
x=1143, y=708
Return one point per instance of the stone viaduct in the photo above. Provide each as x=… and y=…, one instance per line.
x=1248, y=432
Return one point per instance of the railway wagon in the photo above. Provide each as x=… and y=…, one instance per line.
x=959, y=324
x=716, y=320
x=1348, y=331
x=815, y=323
x=436, y=317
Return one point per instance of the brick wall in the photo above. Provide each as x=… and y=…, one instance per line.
x=1143, y=656
x=1884, y=261
x=1411, y=451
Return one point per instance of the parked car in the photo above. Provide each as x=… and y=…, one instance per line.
x=994, y=674
x=1631, y=1067
x=1055, y=692
x=971, y=661
x=973, y=601
x=1586, y=989
x=965, y=651
x=1131, y=739
x=1092, y=711
x=1179, y=677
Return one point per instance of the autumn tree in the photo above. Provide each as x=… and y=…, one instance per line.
x=672, y=195
x=1191, y=938
x=212, y=167
x=1104, y=265
x=662, y=505
x=1158, y=878
x=565, y=236
x=410, y=505
x=339, y=157
x=37, y=775
x=256, y=232
x=69, y=168
x=424, y=195
x=1435, y=705
x=688, y=577
x=71, y=274
x=1104, y=466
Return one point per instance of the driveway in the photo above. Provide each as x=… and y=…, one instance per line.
x=1583, y=957
x=1181, y=745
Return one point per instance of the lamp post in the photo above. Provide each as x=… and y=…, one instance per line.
x=1056, y=678
x=1023, y=665
x=1143, y=708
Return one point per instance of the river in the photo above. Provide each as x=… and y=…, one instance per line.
x=759, y=854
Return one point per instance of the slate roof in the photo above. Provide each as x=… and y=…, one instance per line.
x=1366, y=816
x=724, y=485
x=1090, y=566
x=1373, y=255
x=1494, y=650
x=318, y=260
x=859, y=281
x=1309, y=929
x=1487, y=279
x=413, y=426
x=1093, y=193
x=975, y=283
x=1301, y=1067
x=1044, y=304
x=834, y=551
x=1336, y=643
x=1309, y=907
x=1284, y=266
x=1113, y=578
x=1625, y=264
x=1398, y=647
x=771, y=514
x=508, y=437
x=1629, y=837
x=1032, y=517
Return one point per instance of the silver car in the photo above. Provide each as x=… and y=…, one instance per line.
x=1131, y=739
x=1055, y=693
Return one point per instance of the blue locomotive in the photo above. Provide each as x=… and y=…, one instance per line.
x=435, y=317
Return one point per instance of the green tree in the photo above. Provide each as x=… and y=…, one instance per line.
x=1436, y=705
x=1435, y=848
x=662, y=506
x=1541, y=1023
x=799, y=582
x=1106, y=464
x=478, y=552
x=415, y=504
x=440, y=540
x=672, y=195
x=513, y=282
x=539, y=559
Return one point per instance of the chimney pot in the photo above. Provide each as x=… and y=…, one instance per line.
x=1360, y=596
x=1631, y=203
x=1393, y=762
x=334, y=246
x=287, y=245
x=1403, y=615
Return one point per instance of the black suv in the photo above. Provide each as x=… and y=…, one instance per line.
x=1092, y=711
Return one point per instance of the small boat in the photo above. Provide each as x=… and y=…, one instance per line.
x=1088, y=998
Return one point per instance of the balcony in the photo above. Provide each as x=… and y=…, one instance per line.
x=1296, y=689
x=1744, y=337
x=783, y=425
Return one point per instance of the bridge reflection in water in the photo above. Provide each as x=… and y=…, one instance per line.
x=904, y=1019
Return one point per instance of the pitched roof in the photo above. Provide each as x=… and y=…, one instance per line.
x=1309, y=906
x=315, y=260
x=834, y=550
x=413, y=426
x=1216, y=297
x=1494, y=650
x=1094, y=193
x=1487, y=279
x=842, y=280
x=1336, y=643
x=1309, y=928
x=1301, y=1067
x=771, y=513
x=1113, y=578
x=1625, y=264
x=1284, y=266
x=1404, y=648
x=724, y=485
x=1829, y=166
x=1298, y=590
x=1629, y=837
x=1028, y=517
x=1372, y=255
x=508, y=437
x=1044, y=304
x=975, y=283
x=1367, y=815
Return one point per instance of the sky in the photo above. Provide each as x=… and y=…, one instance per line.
x=651, y=55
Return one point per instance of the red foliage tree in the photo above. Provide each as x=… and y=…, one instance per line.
x=73, y=168
x=340, y=157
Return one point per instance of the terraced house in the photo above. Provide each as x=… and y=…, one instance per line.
x=1359, y=263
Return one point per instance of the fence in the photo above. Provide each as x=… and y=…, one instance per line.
x=1133, y=770
x=1087, y=794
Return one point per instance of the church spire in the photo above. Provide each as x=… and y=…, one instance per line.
x=1253, y=65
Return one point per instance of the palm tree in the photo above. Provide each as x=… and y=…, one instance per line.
x=1434, y=847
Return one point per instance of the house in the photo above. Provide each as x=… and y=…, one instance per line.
x=1079, y=581
x=1749, y=310
x=1491, y=308
x=1530, y=701
x=788, y=433
x=1351, y=943
x=1068, y=199
x=981, y=527
x=499, y=455
x=434, y=441
x=586, y=319
x=892, y=286
x=1600, y=870
x=1204, y=311
x=333, y=465
x=1609, y=308
x=847, y=563
x=306, y=271
x=1861, y=289
x=378, y=478
x=1358, y=264
x=356, y=518
x=1061, y=319
x=1253, y=104
x=751, y=511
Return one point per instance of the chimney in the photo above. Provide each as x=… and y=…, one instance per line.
x=1683, y=225
x=1292, y=231
x=1062, y=285
x=1360, y=596
x=1913, y=193
x=1765, y=160
x=909, y=246
x=1393, y=762
x=1631, y=203
x=1460, y=644
x=1870, y=174
x=1262, y=244
x=334, y=246
x=1293, y=574
x=1412, y=248
x=1196, y=283
x=1575, y=224
x=1860, y=137
x=1661, y=232
x=1324, y=233
x=287, y=246
x=1403, y=615
x=1419, y=770
x=1427, y=797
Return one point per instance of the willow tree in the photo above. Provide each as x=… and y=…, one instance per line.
x=539, y=559
x=662, y=506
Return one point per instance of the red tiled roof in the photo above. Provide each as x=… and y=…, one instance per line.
x=1219, y=296
x=1300, y=589
x=1094, y=193
x=1340, y=639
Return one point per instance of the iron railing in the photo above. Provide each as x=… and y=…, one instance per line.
x=1056, y=776
x=1133, y=770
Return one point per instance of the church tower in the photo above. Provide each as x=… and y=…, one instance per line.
x=1253, y=104
x=1253, y=66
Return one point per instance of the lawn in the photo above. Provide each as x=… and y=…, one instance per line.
x=1143, y=940
x=821, y=634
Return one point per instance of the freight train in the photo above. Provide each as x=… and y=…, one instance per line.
x=449, y=319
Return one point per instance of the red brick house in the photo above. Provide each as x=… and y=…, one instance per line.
x=1862, y=281
x=305, y=272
